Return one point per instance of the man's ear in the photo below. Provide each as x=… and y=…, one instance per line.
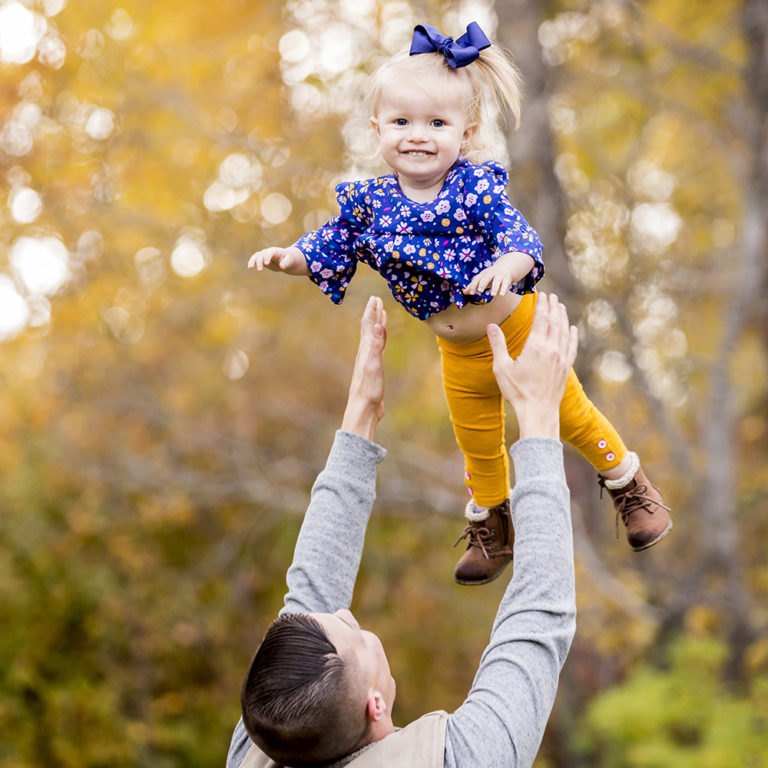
x=376, y=707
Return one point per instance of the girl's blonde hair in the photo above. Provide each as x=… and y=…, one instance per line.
x=492, y=82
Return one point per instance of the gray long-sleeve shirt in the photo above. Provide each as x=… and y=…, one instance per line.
x=502, y=720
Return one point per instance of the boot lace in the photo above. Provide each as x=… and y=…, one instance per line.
x=632, y=500
x=479, y=536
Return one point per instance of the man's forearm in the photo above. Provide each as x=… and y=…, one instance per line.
x=328, y=550
x=365, y=403
x=534, y=626
x=360, y=419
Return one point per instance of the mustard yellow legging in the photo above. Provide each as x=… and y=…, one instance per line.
x=477, y=411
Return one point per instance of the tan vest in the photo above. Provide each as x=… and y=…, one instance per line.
x=419, y=745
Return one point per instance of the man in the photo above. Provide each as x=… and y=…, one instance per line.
x=319, y=691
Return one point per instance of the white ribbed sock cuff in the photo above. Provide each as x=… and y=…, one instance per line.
x=476, y=514
x=626, y=478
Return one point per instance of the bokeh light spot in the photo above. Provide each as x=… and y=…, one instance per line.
x=13, y=310
x=52, y=7
x=100, y=123
x=52, y=52
x=120, y=25
x=25, y=204
x=41, y=263
x=235, y=364
x=189, y=257
x=276, y=208
x=294, y=46
x=20, y=32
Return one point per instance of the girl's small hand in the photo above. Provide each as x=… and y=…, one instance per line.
x=289, y=260
x=507, y=270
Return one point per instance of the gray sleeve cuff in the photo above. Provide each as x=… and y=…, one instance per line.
x=367, y=455
x=536, y=456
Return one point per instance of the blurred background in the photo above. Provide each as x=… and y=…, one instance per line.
x=163, y=411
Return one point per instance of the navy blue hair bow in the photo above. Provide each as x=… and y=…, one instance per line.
x=458, y=53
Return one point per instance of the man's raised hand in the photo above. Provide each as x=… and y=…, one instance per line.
x=365, y=405
x=534, y=382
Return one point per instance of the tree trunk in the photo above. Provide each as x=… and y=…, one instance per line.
x=535, y=189
x=722, y=550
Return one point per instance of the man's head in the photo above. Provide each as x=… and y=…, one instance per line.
x=317, y=689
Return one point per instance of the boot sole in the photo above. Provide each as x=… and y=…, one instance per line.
x=661, y=536
x=484, y=581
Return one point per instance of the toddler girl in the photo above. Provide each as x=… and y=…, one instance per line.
x=457, y=256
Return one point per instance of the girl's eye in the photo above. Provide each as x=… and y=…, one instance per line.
x=401, y=121
x=438, y=123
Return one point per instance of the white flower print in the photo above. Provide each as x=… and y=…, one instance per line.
x=326, y=273
x=459, y=214
x=315, y=266
x=385, y=221
x=466, y=254
x=482, y=185
x=410, y=248
x=471, y=199
x=427, y=216
x=404, y=228
x=443, y=206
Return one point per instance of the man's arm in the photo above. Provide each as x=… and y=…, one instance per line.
x=503, y=718
x=330, y=542
x=328, y=550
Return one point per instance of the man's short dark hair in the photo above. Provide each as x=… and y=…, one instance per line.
x=299, y=700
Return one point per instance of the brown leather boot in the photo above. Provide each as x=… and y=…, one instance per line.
x=642, y=510
x=490, y=546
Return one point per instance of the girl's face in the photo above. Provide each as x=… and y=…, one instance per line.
x=421, y=124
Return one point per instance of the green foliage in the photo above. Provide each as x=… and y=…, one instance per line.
x=683, y=715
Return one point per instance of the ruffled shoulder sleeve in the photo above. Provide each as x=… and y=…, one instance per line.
x=488, y=178
x=330, y=250
x=347, y=194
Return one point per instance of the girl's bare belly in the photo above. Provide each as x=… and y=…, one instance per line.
x=468, y=324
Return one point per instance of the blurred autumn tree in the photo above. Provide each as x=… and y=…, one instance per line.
x=164, y=413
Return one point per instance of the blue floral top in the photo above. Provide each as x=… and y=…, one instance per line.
x=427, y=252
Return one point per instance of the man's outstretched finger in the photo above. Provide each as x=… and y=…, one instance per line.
x=567, y=335
x=573, y=345
x=498, y=344
x=373, y=317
